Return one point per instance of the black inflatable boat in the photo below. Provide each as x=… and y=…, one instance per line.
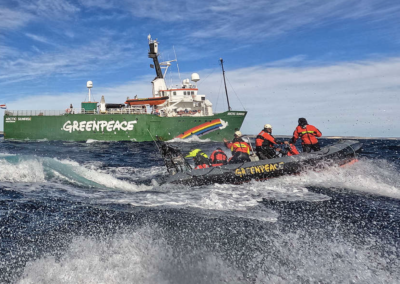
x=341, y=153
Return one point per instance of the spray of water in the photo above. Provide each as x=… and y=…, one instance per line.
x=149, y=256
x=138, y=257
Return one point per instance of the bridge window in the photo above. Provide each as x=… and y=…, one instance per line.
x=174, y=93
x=192, y=93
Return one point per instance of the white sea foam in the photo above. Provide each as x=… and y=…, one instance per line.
x=138, y=257
x=146, y=256
x=193, y=139
x=6, y=155
x=90, y=141
x=370, y=176
x=26, y=171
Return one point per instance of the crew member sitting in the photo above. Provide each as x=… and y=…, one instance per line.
x=240, y=149
x=265, y=144
x=218, y=158
x=289, y=149
x=200, y=159
x=308, y=134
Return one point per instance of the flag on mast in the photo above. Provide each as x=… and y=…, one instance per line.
x=3, y=107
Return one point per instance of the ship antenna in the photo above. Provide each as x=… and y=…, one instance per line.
x=226, y=90
x=176, y=58
x=89, y=85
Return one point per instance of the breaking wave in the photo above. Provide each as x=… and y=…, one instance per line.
x=36, y=169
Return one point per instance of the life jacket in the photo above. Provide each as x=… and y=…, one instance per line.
x=218, y=158
x=265, y=139
x=307, y=133
x=238, y=145
x=203, y=166
x=292, y=150
x=201, y=160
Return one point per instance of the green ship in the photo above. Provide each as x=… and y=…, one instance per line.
x=170, y=113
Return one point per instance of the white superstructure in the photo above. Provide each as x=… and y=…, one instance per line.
x=184, y=100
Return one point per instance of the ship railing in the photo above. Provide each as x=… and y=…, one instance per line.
x=77, y=111
x=40, y=112
x=126, y=111
x=83, y=111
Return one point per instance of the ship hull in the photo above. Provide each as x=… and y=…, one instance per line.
x=121, y=127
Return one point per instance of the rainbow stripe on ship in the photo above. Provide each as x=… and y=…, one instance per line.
x=202, y=129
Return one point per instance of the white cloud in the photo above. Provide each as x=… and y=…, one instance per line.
x=38, y=38
x=64, y=61
x=12, y=19
x=356, y=98
x=54, y=9
x=237, y=19
x=359, y=98
x=21, y=12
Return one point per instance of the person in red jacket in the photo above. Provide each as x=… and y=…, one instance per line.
x=218, y=158
x=308, y=134
x=289, y=149
x=239, y=148
x=266, y=143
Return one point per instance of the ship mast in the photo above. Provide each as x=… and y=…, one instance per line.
x=153, y=53
x=226, y=90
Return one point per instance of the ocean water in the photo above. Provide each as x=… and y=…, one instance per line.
x=98, y=212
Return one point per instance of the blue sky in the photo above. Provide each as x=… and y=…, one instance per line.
x=335, y=62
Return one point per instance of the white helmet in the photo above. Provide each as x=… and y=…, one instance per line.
x=268, y=126
x=238, y=133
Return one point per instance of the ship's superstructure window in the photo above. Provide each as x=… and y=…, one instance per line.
x=192, y=93
x=174, y=93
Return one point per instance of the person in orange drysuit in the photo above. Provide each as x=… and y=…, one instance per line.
x=218, y=158
x=289, y=149
x=308, y=134
x=240, y=149
x=265, y=144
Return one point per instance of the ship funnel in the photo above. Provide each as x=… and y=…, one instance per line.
x=195, y=77
x=103, y=105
